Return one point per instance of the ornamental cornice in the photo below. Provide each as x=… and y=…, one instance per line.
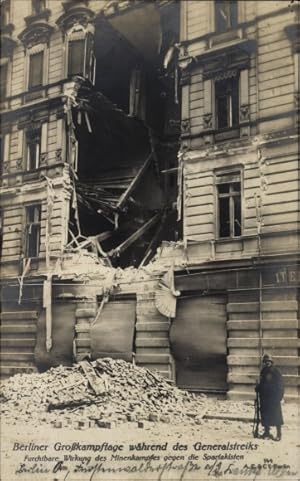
x=75, y=15
x=36, y=33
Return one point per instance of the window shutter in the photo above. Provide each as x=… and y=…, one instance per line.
x=3, y=81
x=90, y=59
x=185, y=102
x=296, y=74
x=208, y=111
x=44, y=138
x=244, y=87
x=6, y=147
x=44, y=143
x=244, y=107
x=61, y=137
x=20, y=144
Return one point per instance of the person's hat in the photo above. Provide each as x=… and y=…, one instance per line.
x=267, y=357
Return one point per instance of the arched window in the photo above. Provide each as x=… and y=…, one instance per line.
x=78, y=30
x=35, y=39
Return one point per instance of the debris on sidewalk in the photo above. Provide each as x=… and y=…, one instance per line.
x=106, y=392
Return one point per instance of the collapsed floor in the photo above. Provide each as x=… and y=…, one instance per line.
x=105, y=392
x=123, y=178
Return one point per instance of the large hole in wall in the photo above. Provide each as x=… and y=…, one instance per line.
x=126, y=126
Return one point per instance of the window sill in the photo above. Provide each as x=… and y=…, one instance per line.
x=224, y=240
x=221, y=135
x=234, y=45
x=223, y=37
x=34, y=93
x=35, y=174
x=31, y=174
x=226, y=134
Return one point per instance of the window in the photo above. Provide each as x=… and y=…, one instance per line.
x=225, y=15
x=1, y=155
x=38, y=6
x=5, y=13
x=227, y=102
x=76, y=57
x=229, y=204
x=36, y=65
x=33, y=227
x=80, y=54
x=1, y=233
x=3, y=81
x=33, y=144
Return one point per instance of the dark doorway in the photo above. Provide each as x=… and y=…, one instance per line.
x=198, y=341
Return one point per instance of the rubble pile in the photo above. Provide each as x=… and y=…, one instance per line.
x=105, y=392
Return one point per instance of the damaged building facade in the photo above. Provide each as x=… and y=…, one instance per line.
x=149, y=187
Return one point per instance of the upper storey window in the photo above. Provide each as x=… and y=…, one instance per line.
x=3, y=80
x=1, y=155
x=36, y=67
x=33, y=141
x=35, y=39
x=80, y=55
x=226, y=15
x=76, y=57
x=5, y=12
x=38, y=6
x=229, y=212
x=227, y=102
x=77, y=26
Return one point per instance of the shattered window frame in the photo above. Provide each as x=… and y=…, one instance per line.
x=226, y=15
x=33, y=230
x=229, y=189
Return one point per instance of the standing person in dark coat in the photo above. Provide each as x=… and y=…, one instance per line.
x=270, y=389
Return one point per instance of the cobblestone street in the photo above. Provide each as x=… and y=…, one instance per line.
x=214, y=449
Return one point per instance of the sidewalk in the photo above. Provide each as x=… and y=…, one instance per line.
x=244, y=411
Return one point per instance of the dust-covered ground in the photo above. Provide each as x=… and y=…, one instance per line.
x=212, y=449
